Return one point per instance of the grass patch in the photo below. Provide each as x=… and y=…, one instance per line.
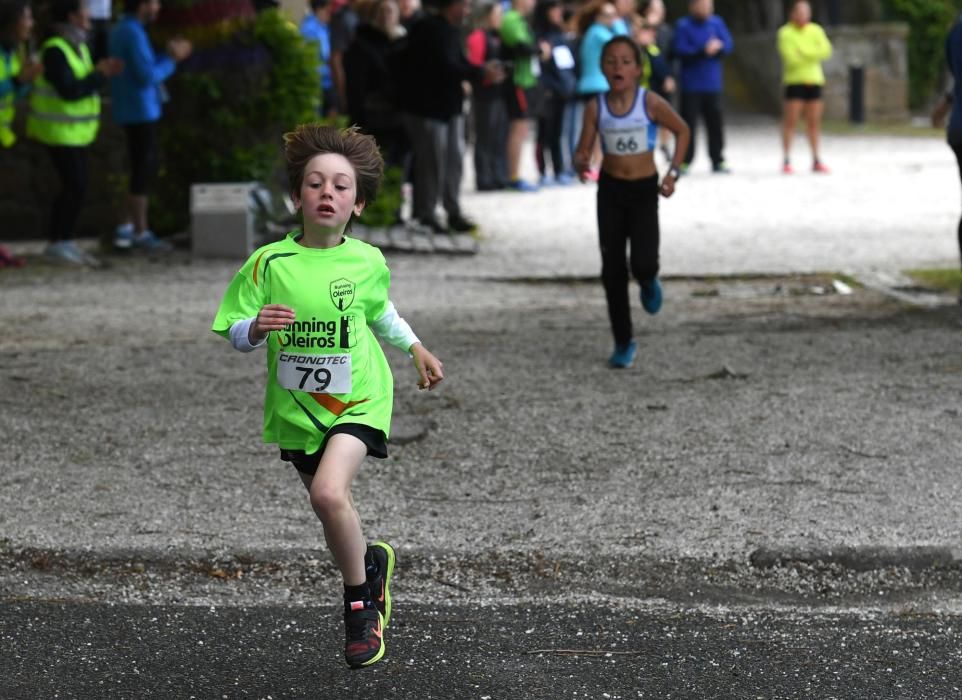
x=944, y=279
x=844, y=128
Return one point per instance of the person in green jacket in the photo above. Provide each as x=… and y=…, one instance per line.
x=519, y=46
x=803, y=47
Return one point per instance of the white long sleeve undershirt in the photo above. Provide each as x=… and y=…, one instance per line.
x=390, y=328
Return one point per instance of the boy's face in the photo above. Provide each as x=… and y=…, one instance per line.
x=620, y=66
x=328, y=195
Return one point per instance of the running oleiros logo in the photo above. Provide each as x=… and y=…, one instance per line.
x=319, y=334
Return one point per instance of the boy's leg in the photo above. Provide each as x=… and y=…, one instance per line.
x=330, y=492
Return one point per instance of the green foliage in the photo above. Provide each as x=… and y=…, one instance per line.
x=225, y=119
x=929, y=23
x=383, y=210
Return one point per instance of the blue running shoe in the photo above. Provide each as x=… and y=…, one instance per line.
x=623, y=356
x=651, y=296
x=522, y=186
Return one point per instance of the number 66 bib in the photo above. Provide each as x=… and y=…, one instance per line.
x=317, y=374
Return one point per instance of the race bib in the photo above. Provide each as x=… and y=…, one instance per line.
x=625, y=142
x=316, y=374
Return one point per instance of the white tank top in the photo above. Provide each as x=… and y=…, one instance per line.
x=629, y=134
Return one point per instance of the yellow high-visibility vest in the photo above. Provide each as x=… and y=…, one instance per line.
x=58, y=122
x=9, y=69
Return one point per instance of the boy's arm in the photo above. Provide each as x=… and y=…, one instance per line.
x=240, y=336
x=394, y=330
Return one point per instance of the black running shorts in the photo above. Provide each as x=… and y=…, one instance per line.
x=307, y=463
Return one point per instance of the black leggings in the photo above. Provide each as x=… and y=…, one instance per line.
x=71, y=165
x=549, y=135
x=627, y=214
x=142, y=152
x=957, y=148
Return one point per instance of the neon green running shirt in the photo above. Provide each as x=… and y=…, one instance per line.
x=335, y=293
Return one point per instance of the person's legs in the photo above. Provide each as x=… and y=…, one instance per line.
x=499, y=140
x=330, y=493
x=70, y=163
x=554, y=123
x=517, y=133
x=426, y=144
x=813, y=126
x=483, y=166
x=689, y=112
x=453, y=165
x=643, y=230
x=957, y=149
x=541, y=144
x=612, y=239
x=791, y=109
x=712, y=110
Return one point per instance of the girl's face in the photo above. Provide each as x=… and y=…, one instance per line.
x=620, y=66
x=328, y=194
x=555, y=15
x=24, y=25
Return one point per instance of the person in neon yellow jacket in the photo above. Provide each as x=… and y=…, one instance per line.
x=16, y=72
x=803, y=47
x=65, y=116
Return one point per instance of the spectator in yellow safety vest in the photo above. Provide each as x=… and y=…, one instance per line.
x=65, y=116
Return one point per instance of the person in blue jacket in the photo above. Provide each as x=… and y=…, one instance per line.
x=701, y=41
x=315, y=27
x=951, y=103
x=137, y=94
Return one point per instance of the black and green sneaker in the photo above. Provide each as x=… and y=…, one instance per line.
x=380, y=561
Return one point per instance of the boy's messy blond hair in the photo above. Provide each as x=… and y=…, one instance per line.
x=361, y=151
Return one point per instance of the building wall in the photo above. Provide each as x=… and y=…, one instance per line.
x=753, y=71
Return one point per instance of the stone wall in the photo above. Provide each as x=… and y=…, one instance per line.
x=29, y=184
x=753, y=72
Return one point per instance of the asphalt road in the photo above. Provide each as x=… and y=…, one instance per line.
x=53, y=650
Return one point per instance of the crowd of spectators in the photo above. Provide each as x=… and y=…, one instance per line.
x=423, y=79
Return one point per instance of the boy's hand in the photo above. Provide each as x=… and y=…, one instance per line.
x=271, y=317
x=430, y=370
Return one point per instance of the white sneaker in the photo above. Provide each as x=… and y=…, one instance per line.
x=65, y=252
x=146, y=240
x=124, y=237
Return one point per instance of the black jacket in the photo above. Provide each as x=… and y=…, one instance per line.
x=431, y=68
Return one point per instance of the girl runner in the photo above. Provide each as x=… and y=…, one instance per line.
x=627, y=118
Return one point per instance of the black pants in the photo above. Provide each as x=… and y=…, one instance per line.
x=71, y=165
x=549, y=135
x=490, y=143
x=957, y=148
x=627, y=214
x=142, y=152
x=708, y=106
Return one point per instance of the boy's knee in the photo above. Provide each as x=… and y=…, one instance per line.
x=327, y=500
